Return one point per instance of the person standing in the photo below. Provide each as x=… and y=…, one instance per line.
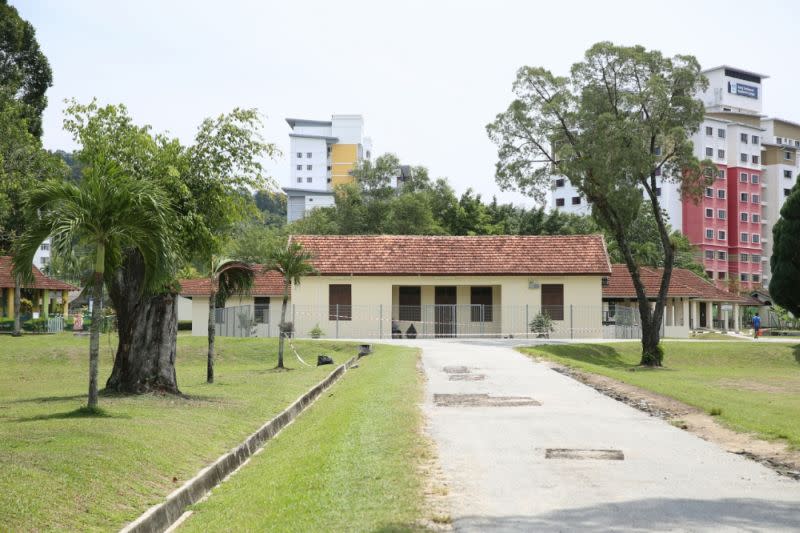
x=756, y=325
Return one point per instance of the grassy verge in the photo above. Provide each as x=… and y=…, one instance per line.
x=751, y=387
x=715, y=336
x=64, y=469
x=347, y=464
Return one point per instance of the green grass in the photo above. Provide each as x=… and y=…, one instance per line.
x=750, y=386
x=347, y=464
x=63, y=467
x=715, y=336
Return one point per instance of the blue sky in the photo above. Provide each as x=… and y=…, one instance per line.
x=427, y=76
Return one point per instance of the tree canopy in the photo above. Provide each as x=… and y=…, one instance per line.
x=784, y=286
x=25, y=73
x=620, y=123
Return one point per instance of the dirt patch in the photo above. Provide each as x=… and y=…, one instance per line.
x=467, y=377
x=572, y=453
x=775, y=455
x=456, y=370
x=481, y=400
x=436, y=506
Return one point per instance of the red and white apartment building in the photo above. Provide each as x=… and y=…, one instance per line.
x=731, y=225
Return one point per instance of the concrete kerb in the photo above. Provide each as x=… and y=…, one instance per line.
x=161, y=516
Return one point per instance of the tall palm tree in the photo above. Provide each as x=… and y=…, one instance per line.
x=108, y=212
x=227, y=277
x=293, y=263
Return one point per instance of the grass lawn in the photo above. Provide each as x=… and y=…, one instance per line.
x=347, y=464
x=61, y=470
x=756, y=385
x=715, y=336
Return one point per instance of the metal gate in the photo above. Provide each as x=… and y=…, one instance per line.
x=55, y=324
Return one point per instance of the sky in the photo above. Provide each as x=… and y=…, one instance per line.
x=426, y=75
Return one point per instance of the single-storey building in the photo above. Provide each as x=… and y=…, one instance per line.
x=256, y=313
x=435, y=286
x=693, y=303
x=47, y=295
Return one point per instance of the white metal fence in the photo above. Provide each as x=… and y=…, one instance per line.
x=422, y=321
x=55, y=324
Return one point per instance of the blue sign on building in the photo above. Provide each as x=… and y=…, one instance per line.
x=740, y=89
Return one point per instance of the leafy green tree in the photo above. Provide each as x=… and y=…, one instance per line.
x=108, y=212
x=624, y=116
x=374, y=178
x=207, y=185
x=25, y=73
x=644, y=241
x=410, y=214
x=293, y=262
x=272, y=206
x=23, y=163
x=784, y=286
x=227, y=277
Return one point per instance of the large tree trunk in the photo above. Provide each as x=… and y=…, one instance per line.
x=148, y=332
x=17, y=305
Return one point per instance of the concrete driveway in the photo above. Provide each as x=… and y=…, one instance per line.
x=494, y=457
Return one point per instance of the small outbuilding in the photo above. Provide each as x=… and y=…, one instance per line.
x=47, y=295
x=256, y=313
x=693, y=303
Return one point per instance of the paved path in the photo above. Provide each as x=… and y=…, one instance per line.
x=494, y=458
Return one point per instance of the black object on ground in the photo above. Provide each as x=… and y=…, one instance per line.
x=324, y=360
x=364, y=349
x=411, y=332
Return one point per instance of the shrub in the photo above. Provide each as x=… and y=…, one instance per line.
x=542, y=325
x=184, y=325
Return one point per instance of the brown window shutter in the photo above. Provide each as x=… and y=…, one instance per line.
x=340, y=302
x=553, y=301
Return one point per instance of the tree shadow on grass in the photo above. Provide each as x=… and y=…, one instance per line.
x=796, y=350
x=49, y=399
x=81, y=412
x=595, y=354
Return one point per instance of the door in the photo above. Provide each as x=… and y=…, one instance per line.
x=445, y=311
x=703, y=319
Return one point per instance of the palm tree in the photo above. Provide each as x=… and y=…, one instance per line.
x=227, y=277
x=293, y=262
x=108, y=212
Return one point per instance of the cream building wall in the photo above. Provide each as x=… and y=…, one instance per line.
x=199, y=314
x=518, y=299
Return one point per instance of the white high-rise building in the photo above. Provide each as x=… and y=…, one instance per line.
x=321, y=155
x=42, y=256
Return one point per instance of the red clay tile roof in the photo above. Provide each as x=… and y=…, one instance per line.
x=268, y=283
x=427, y=255
x=683, y=283
x=40, y=281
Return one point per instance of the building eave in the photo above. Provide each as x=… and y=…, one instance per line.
x=307, y=122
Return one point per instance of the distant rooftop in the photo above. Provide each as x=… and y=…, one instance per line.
x=737, y=69
x=306, y=122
